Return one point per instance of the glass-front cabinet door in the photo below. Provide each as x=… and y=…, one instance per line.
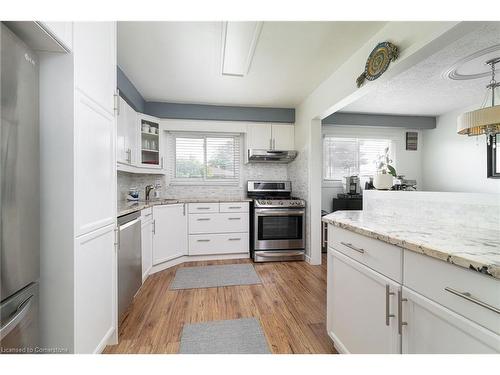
x=150, y=155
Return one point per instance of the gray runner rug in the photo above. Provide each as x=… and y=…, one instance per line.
x=238, y=336
x=214, y=276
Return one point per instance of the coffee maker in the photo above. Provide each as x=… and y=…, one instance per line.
x=352, y=185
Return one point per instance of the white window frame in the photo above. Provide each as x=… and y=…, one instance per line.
x=203, y=181
x=338, y=183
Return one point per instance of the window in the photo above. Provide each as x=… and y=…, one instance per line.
x=204, y=158
x=347, y=156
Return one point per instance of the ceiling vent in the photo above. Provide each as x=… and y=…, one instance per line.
x=239, y=40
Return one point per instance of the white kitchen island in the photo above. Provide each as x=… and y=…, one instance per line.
x=415, y=272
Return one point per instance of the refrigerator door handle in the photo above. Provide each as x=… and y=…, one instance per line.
x=17, y=317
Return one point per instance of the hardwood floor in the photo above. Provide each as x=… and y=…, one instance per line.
x=290, y=303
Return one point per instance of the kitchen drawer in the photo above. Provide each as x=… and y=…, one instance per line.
x=207, y=244
x=432, y=277
x=234, y=207
x=218, y=223
x=378, y=255
x=147, y=214
x=199, y=208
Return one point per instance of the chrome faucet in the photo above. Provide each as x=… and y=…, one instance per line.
x=149, y=189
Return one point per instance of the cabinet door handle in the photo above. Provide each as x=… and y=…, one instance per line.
x=400, y=312
x=202, y=208
x=184, y=209
x=388, y=295
x=154, y=226
x=351, y=246
x=204, y=219
x=203, y=240
x=325, y=234
x=162, y=162
x=467, y=296
x=234, y=239
x=234, y=218
x=234, y=207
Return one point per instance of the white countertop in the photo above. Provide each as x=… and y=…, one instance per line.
x=473, y=248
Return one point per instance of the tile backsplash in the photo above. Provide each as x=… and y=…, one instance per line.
x=248, y=172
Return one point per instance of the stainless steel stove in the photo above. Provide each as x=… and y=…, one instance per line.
x=278, y=222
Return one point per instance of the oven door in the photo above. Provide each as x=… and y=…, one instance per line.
x=279, y=229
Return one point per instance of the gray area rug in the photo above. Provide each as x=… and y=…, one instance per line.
x=214, y=276
x=238, y=336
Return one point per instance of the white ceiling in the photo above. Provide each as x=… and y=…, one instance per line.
x=181, y=61
x=425, y=90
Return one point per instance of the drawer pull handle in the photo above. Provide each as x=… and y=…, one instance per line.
x=235, y=218
x=469, y=297
x=204, y=219
x=203, y=240
x=202, y=208
x=351, y=246
x=400, y=312
x=235, y=239
x=388, y=314
x=235, y=207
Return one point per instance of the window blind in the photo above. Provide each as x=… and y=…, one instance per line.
x=204, y=158
x=349, y=156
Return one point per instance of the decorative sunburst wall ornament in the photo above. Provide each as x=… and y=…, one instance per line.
x=378, y=62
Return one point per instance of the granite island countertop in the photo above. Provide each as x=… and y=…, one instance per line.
x=127, y=207
x=473, y=248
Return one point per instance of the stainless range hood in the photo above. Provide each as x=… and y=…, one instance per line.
x=271, y=156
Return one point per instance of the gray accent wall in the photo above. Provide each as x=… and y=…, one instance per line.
x=366, y=119
x=128, y=91
x=199, y=111
x=219, y=113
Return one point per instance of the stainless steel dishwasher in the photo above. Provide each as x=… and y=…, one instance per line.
x=129, y=260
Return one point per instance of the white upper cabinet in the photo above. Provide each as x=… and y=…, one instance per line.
x=95, y=61
x=127, y=130
x=259, y=136
x=266, y=136
x=283, y=137
x=60, y=31
x=95, y=183
x=95, y=134
x=170, y=228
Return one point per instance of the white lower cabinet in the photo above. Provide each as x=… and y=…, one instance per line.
x=146, y=247
x=218, y=228
x=371, y=309
x=432, y=328
x=170, y=232
x=225, y=243
x=95, y=265
x=361, y=307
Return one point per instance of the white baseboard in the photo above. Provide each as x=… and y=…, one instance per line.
x=107, y=340
x=195, y=258
x=308, y=259
x=337, y=344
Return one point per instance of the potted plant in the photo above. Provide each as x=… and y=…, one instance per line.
x=383, y=180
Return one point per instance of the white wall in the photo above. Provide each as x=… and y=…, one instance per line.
x=453, y=162
x=407, y=163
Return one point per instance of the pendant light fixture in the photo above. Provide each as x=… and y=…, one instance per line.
x=487, y=119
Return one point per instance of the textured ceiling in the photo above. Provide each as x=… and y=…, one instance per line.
x=181, y=61
x=424, y=89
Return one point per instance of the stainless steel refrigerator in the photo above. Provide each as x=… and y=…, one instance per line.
x=19, y=192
